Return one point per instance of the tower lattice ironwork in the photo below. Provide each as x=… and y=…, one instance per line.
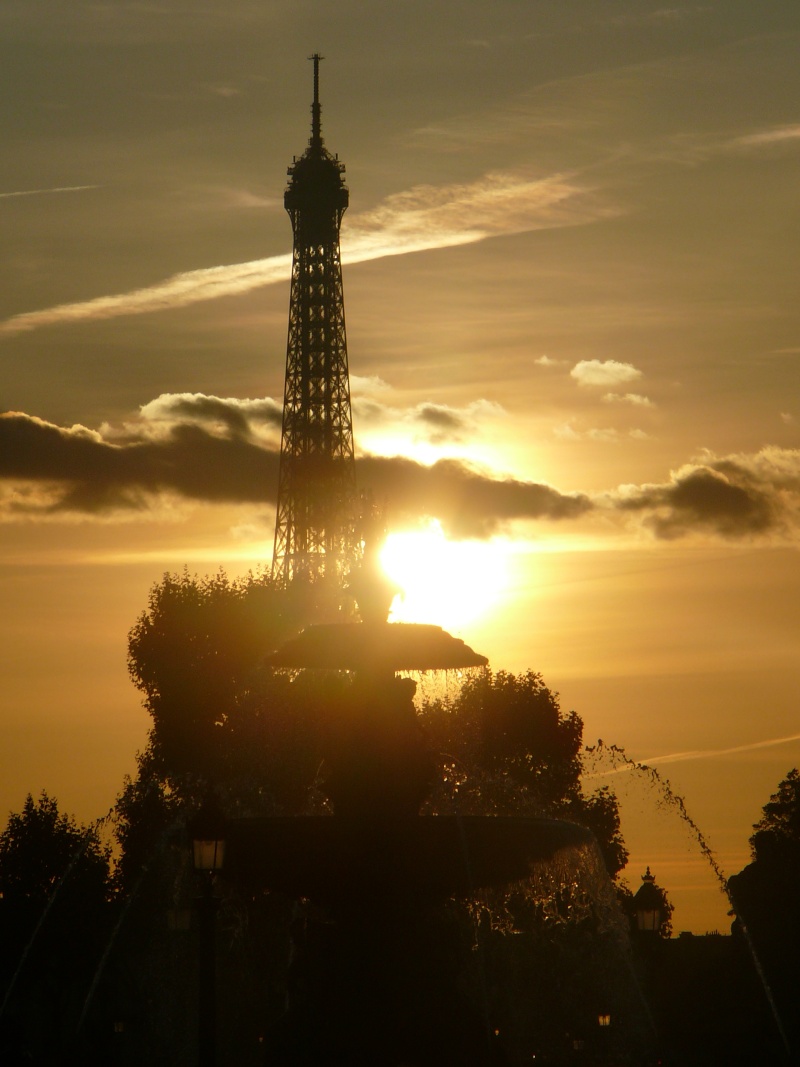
x=315, y=524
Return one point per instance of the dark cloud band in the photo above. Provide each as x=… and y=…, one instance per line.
x=736, y=497
x=206, y=449
x=93, y=476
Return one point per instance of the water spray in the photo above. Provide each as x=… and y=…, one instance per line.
x=620, y=759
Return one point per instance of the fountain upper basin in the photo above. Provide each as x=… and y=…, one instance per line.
x=334, y=859
x=394, y=646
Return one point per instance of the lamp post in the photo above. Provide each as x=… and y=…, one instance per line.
x=208, y=851
x=648, y=905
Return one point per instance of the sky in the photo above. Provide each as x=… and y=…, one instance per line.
x=570, y=271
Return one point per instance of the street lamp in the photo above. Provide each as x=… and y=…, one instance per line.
x=648, y=905
x=208, y=837
x=208, y=852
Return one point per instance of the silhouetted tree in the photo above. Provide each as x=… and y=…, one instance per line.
x=777, y=833
x=197, y=654
x=262, y=736
x=765, y=895
x=42, y=849
x=507, y=747
x=54, y=912
x=191, y=653
x=146, y=810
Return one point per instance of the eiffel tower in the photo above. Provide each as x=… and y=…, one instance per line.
x=315, y=535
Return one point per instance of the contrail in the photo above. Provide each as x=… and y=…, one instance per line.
x=419, y=219
x=41, y=192
x=707, y=753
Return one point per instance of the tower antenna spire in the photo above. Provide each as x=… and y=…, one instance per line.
x=316, y=108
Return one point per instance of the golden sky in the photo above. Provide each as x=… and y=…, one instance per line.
x=571, y=290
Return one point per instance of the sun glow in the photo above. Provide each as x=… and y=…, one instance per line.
x=450, y=583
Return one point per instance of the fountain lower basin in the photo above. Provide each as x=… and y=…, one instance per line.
x=334, y=859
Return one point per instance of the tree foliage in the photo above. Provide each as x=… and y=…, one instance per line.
x=197, y=654
x=501, y=741
x=778, y=830
x=764, y=896
x=54, y=912
x=279, y=743
x=42, y=848
x=506, y=747
x=193, y=652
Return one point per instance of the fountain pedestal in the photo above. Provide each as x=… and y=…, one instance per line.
x=375, y=979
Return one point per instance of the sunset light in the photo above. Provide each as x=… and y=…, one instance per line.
x=449, y=583
x=569, y=380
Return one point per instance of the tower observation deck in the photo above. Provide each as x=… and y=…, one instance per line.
x=315, y=523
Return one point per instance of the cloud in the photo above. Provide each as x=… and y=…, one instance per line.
x=442, y=422
x=776, y=135
x=734, y=497
x=231, y=415
x=368, y=385
x=498, y=203
x=420, y=219
x=733, y=750
x=696, y=754
x=226, y=91
x=243, y=198
x=435, y=423
x=546, y=361
x=636, y=399
x=596, y=434
x=83, y=473
x=42, y=192
x=212, y=450
x=595, y=372
x=58, y=471
x=468, y=501
x=180, y=290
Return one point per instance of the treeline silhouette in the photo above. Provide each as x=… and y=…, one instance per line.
x=97, y=956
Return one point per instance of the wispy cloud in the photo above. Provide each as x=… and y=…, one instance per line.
x=775, y=135
x=635, y=399
x=733, y=750
x=43, y=192
x=180, y=290
x=567, y=431
x=420, y=219
x=699, y=753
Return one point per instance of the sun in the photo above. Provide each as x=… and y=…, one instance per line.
x=450, y=583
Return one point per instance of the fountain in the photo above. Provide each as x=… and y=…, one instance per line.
x=375, y=977
x=617, y=758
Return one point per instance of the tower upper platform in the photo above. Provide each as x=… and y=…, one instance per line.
x=316, y=185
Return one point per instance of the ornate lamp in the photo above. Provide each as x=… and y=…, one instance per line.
x=648, y=906
x=208, y=838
